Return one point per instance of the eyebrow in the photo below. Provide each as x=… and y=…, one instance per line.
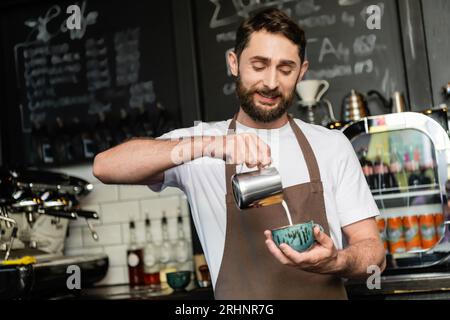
x=267, y=60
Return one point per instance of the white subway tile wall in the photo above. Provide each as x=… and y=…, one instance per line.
x=116, y=205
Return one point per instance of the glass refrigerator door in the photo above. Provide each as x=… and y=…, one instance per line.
x=403, y=169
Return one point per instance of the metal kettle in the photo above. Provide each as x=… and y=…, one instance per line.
x=355, y=107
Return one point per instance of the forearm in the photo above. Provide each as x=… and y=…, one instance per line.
x=140, y=161
x=353, y=261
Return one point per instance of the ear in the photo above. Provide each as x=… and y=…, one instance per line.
x=233, y=63
x=303, y=69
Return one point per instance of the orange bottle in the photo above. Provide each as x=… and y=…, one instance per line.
x=395, y=235
x=439, y=224
x=427, y=231
x=382, y=230
x=412, y=233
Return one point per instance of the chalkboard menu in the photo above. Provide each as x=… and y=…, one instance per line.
x=341, y=48
x=116, y=70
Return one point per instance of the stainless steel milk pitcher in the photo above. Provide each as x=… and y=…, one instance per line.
x=259, y=188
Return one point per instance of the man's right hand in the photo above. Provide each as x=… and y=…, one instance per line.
x=243, y=148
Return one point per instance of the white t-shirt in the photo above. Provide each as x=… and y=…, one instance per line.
x=347, y=196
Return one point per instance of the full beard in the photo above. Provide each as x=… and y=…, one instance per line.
x=259, y=114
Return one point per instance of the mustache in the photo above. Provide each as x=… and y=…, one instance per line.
x=274, y=93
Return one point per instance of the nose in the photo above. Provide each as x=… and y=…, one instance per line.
x=271, y=78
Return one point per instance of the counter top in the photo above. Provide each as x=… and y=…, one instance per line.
x=429, y=285
x=125, y=292
x=434, y=284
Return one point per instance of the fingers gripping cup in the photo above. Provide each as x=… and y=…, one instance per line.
x=298, y=236
x=256, y=189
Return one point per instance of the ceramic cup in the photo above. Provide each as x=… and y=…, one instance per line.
x=179, y=280
x=298, y=236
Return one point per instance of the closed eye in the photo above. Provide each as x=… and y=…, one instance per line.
x=286, y=71
x=258, y=66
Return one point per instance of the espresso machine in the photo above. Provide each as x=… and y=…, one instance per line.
x=36, y=208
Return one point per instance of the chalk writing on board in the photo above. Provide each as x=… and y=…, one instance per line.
x=142, y=93
x=226, y=36
x=38, y=117
x=364, y=66
x=96, y=107
x=339, y=51
x=241, y=10
x=340, y=47
x=97, y=68
x=348, y=2
x=348, y=19
x=306, y=8
x=331, y=72
x=325, y=20
x=58, y=102
x=40, y=25
x=90, y=75
x=45, y=66
x=364, y=45
x=126, y=44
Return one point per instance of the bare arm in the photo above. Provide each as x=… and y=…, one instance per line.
x=143, y=161
x=138, y=161
x=365, y=249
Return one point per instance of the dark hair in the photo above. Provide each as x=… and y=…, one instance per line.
x=274, y=21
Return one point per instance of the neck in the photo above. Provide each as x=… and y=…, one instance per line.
x=244, y=119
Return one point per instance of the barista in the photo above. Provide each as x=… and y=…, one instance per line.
x=320, y=172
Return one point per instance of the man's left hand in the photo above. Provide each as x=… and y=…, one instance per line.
x=321, y=258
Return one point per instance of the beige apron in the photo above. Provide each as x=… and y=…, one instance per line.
x=248, y=270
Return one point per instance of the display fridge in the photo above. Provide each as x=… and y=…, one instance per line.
x=404, y=157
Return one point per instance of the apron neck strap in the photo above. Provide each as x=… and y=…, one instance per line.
x=308, y=153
